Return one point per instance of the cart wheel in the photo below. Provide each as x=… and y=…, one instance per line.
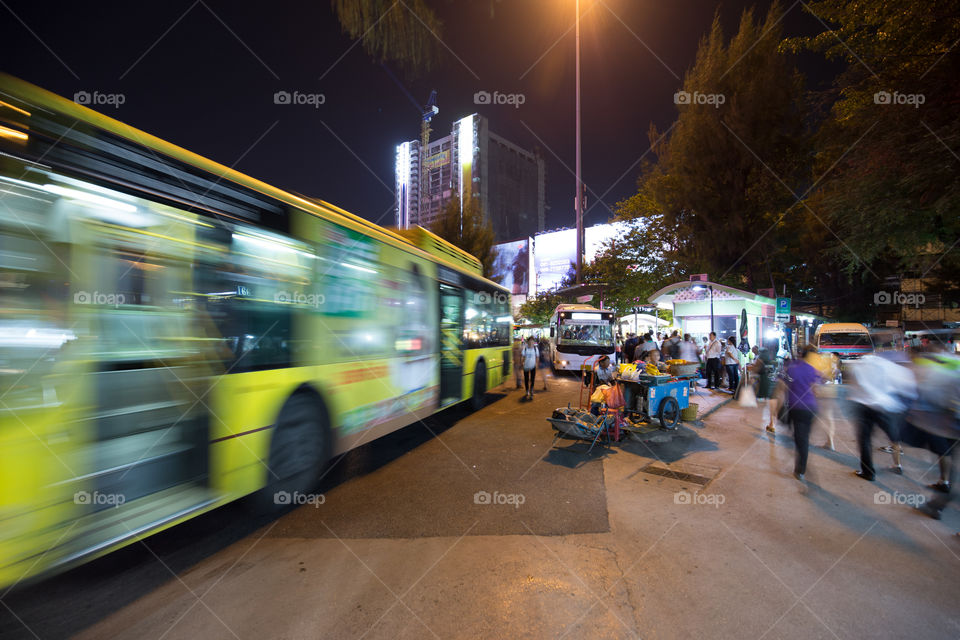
x=669, y=413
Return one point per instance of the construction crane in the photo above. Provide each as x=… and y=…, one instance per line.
x=431, y=109
x=426, y=115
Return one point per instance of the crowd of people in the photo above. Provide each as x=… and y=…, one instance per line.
x=912, y=396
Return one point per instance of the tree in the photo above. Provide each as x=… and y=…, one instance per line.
x=404, y=32
x=735, y=157
x=468, y=229
x=888, y=147
x=539, y=308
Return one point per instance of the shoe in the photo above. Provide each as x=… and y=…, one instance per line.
x=863, y=476
x=828, y=446
x=897, y=469
x=887, y=449
x=771, y=429
x=931, y=511
x=798, y=476
x=941, y=486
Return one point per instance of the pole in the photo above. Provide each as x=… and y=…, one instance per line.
x=579, y=196
x=711, y=308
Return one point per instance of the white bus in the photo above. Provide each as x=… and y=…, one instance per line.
x=580, y=334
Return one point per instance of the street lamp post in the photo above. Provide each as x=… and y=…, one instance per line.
x=710, y=287
x=579, y=195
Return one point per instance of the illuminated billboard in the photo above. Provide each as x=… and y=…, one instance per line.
x=597, y=236
x=554, y=258
x=511, y=265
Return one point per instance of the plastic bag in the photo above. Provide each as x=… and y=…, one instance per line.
x=599, y=395
x=615, y=397
x=748, y=398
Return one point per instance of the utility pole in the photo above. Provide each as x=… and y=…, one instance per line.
x=579, y=197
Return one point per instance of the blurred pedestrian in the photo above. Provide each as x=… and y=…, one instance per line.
x=762, y=367
x=713, y=352
x=936, y=414
x=880, y=394
x=731, y=362
x=544, y=348
x=530, y=354
x=517, y=364
x=630, y=346
x=688, y=349
x=802, y=407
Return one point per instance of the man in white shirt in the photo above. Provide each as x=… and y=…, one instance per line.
x=881, y=393
x=713, y=352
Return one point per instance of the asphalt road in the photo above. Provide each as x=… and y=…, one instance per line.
x=702, y=536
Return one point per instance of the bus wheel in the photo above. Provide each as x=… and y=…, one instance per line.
x=669, y=413
x=300, y=447
x=479, y=385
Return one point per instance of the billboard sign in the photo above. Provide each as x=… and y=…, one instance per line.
x=511, y=266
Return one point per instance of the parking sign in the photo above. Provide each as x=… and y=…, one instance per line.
x=783, y=309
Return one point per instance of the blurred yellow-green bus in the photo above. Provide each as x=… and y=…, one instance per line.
x=175, y=335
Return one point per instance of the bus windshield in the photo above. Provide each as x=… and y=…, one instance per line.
x=846, y=339
x=586, y=332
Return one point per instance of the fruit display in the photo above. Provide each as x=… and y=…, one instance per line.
x=652, y=369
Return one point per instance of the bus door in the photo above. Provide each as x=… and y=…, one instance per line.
x=451, y=351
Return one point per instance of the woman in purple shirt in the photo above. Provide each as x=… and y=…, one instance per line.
x=802, y=406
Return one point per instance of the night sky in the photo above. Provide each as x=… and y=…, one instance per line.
x=203, y=75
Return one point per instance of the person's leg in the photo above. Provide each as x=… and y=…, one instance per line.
x=830, y=420
x=533, y=380
x=544, y=374
x=865, y=418
x=891, y=425
x=801, y=437
x=526, y=381
x=939, y=500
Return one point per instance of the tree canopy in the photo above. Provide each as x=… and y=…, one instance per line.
x=468, y=229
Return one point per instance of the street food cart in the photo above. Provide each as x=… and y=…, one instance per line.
x=661, y=397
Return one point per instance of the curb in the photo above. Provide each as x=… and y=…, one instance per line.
x=700, y=419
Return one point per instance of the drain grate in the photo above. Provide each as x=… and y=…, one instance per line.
x=694, y=474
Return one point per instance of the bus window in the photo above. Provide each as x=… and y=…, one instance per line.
x=487, y=319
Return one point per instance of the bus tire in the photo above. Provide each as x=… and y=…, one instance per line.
x=300, y=447
x=669, y=413
x=479, y=385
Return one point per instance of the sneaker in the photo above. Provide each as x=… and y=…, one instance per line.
x=887, y=449
x=863, y=476
x=798, y=476
x=771, y=429
x=897, y=469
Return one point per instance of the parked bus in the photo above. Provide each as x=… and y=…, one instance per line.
x=175, y=335
x=846, y=339
x=580, y=333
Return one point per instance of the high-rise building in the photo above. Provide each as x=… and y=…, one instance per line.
x=507, y=180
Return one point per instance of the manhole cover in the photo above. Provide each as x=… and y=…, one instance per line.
x=685, y=472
